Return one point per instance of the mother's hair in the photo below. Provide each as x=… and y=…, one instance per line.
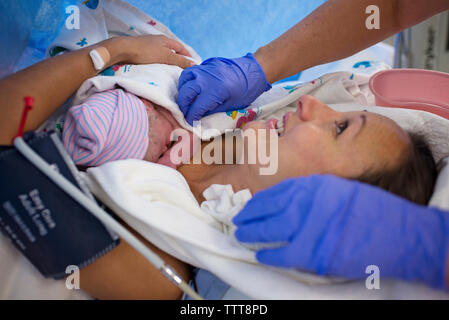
x=415, y=176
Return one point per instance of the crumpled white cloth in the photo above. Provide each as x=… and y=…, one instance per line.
x=224, y=204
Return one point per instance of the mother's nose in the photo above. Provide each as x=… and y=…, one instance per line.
x=310, y=108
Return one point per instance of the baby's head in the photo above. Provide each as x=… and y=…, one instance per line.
x=117, y=125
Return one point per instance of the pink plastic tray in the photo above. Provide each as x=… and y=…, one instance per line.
x=412, y=89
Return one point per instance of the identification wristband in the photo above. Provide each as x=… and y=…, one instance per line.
x=100, y=57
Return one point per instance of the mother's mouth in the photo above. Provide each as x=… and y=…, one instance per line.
x=276, y=125
x=271, y=123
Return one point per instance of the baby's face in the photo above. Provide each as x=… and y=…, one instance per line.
x=160, y=126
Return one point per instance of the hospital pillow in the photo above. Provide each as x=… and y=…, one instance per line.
x=440, y=197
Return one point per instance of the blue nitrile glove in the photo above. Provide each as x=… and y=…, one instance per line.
x=220, y=84
x=332, y=226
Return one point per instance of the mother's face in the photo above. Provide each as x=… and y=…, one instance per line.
x=318, y=139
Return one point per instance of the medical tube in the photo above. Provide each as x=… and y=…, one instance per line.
x=104, y=217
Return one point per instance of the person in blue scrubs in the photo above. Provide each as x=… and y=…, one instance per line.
x=327, y=225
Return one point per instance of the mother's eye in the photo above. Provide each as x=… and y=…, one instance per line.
x=342, y=126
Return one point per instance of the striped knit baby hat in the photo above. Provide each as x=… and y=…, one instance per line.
x=108, y=126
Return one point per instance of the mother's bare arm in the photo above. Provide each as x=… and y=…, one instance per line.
x=124, y=273
x=52, y=81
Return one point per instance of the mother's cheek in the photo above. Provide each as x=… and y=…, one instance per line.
x=304, y=152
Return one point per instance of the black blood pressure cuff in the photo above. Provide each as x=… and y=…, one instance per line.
x=50, y=228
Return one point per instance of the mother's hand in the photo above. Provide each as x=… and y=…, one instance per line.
x=155, y=49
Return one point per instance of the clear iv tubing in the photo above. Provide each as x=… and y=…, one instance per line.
x=87, y=203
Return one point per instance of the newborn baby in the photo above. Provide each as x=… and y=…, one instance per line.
x=115, y=125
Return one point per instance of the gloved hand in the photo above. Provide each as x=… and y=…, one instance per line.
x=333, y=226
x=220, y=84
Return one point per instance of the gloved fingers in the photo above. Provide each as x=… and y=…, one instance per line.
x=187, y=95
x=199, y=107
x=271, y=201
x=274, y=229
x=177, y=47
x=259, y=208
x=186, y=76
x=278, y=257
